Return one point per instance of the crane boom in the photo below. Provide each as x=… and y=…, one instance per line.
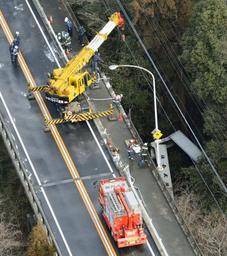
x=69, y=82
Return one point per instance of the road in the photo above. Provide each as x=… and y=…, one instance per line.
x=72, y=151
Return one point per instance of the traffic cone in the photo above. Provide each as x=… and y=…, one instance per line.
x=120, y=118
x=67, y=52
x=109, y=142
x=51, y=20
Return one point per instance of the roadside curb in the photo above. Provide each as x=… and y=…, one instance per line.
x=119, y=164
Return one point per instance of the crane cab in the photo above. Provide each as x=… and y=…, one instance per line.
x=76, y=85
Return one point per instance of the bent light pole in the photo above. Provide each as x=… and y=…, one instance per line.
x=156, y=132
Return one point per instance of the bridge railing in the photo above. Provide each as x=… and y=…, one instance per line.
x=160, y=182
x=26, y=182
x=129, y=123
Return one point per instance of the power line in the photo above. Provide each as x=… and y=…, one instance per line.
x=173, y=59
x=148, y=80
x=170, y=94
x=197, y=169
x=166, y=79
x=183, y=76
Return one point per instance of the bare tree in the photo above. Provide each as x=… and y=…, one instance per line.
x=208, y=229
x=10, y=236
x=38, y=243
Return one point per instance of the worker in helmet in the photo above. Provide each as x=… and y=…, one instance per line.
x=69, y=26
x=81, y=34
x=117, y=99
x=131, y=153
x=17, y=39
x=16, y=42
x=14, y=50
x=65, y=40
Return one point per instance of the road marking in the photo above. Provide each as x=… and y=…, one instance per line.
x=76, y=174
x=66, y=181
x=68, y=160
x=100, y=148
x=43, y=34
x=88, y=124
x=150, y=248
x=35, y=173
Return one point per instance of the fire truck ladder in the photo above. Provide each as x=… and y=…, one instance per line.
x=129, y=213
x=115, y=204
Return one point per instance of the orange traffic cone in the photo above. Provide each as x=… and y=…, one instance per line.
x=120, y=118
x=51, y=20
x=109, y=142
x=67, y=52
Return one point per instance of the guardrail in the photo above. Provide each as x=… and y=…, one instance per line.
x=160, y=182
x=135, y=133
x=28, y=186
x=163, y=188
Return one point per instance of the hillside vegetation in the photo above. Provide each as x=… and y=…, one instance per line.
x=187, y=41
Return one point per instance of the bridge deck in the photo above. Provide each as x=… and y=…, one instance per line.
x=68, y=218
x=77, y=226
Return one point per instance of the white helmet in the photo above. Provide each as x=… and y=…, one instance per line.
x=66, y=19
x=16, y=47
x=17, y=33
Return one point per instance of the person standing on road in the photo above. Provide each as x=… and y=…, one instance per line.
x=96, y=59
x=14, y=50
x=65, y=40
x=81, y=34
x=17, y=39
x=130, y=153
x=69, y=26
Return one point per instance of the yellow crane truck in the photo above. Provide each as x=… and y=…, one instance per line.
x=67, y=83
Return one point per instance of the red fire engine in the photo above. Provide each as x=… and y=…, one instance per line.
x=121, y=212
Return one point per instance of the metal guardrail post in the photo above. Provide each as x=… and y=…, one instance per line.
x=146, y=217
x=133, y=131
x=162, y=186
x=28, y=187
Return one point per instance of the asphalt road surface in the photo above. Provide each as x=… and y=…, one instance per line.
x=68, y=217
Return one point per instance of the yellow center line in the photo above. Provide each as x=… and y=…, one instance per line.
x=62, y=147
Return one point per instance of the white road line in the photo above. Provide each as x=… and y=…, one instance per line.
x=150, y=248
x=43, y=34
x=60, y=143
x=90, y=128
x=100, y=148
x=36, y=175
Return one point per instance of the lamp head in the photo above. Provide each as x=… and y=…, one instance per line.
x=113, y=67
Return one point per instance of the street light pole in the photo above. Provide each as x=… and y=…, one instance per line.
x=156, y=132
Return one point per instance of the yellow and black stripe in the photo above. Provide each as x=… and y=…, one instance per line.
x=44, y=88
x=63, y=149
x=79, y=117
x=86, y=116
